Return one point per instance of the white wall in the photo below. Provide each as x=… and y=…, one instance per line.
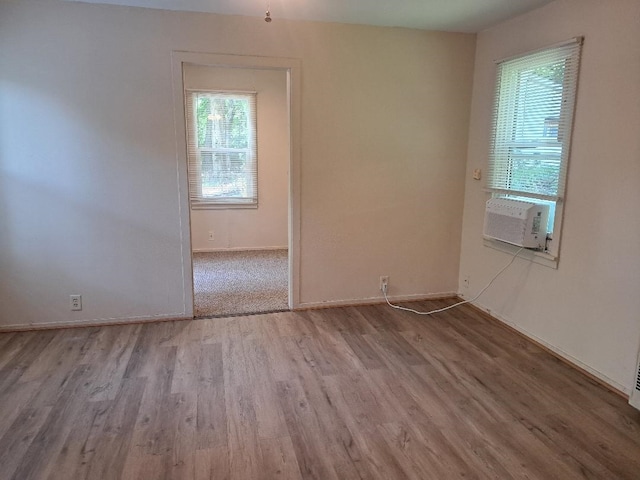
x=89, y=195
x=265, y=226
x=588, y=308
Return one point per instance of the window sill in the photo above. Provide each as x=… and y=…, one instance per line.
x=224, y=206
x=541, y=258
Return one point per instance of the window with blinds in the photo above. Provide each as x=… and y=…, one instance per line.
x=533, y=114
x=221, y=148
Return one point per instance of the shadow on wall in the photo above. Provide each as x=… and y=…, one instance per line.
x=88, y=206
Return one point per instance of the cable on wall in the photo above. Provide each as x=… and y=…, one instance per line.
x=398, y=307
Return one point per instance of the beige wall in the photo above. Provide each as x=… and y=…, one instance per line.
x=587, y=309
x=265, y=226
x=89, y=196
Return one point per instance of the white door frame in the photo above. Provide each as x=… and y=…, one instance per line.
x=293, y=69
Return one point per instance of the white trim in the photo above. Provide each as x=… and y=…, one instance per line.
x=515, y=193
x=182, y=180
x=293, y=69
x=224, y=206
x=601, y=376
x=95, y=322
x=215, y=90
x=535, y=256
x=237, y=249
x=375, y=300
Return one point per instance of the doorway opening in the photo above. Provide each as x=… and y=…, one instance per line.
x=242, y=230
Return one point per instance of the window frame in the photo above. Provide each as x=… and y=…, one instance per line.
x=194, y=151
x=507, y=120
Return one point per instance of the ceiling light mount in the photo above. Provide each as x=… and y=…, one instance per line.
x=267, y=15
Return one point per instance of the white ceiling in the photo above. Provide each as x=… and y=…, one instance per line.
x=447, y=15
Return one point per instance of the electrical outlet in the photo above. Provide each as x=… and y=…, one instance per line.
x=466, y=280
x=384, y=283
x=76, y=302
x=211, y=237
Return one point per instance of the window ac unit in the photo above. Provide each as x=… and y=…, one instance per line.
x=634, y=398
x=520, y=223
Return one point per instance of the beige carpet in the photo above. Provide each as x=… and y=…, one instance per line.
x=232, y=283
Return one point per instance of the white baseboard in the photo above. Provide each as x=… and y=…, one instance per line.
x=97, y=322
x=237, y=249
x=557, y=351
x=374, y=300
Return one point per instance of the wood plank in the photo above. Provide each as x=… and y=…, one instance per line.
x=180, y=458
x=14, y=443
x=419, y=458
x=142, y=361
x=269, y=416
x=441, y=422
x=18, y=361
x=365, y=353
x=78, y=450
x=145, y=466
x=115, y=361
x=240, y=405
x=55, y=373
x=188, y=357
x=39, y=459
x=243, y=444
x=100, y=342
x=272, y=338
x=211, y=420
x=13, y=401
x=312, y=452
x=213, y=464
x=14, y=344
x=278, y=459
x=112, y=443
x=6, y=339
x=342, y=393
x=150, y=435
x=215, y=330
x=395, y=344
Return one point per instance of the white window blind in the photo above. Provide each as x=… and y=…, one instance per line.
x=221, y=148
x=533, y=115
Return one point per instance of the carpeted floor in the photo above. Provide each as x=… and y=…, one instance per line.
x=231, y=283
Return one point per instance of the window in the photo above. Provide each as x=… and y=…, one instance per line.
x=221, y=147
x=533, y=114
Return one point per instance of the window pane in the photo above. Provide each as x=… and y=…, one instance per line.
x=535, y=169
x=203, y=109
x=535, y=155
x=538, y=103
x=229, y=119
x=222, y=148
x=225, y=175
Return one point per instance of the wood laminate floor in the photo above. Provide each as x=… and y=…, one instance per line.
x=344, y=393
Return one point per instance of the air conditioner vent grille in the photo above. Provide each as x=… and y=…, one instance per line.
x=503, y=226
x=516, y=222
x=634, y=398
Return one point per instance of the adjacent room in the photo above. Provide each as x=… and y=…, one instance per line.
x=238, y=188
x=210, y=212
